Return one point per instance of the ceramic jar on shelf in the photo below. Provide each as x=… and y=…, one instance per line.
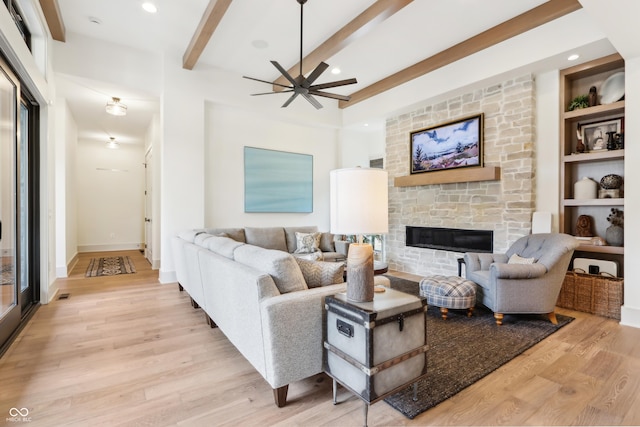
x=585, y=189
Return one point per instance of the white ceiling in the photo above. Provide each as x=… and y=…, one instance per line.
x=416, y=32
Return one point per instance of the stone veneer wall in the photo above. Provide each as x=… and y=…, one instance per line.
x=504, y=206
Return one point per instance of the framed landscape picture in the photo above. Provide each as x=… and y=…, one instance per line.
x=450, y=145
x=277, y=181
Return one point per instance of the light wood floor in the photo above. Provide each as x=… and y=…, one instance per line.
x=126, y=350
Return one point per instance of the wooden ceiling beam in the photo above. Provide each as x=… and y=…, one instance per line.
x=208, y=24
x=53, y=17
x=358, y=27
x=546, y=12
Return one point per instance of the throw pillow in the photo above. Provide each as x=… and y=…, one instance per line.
x=326, y=242
x=320, y=273
x=307, y=243
x=517, y=259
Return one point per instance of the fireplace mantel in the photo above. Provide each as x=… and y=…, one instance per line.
x=489, y=173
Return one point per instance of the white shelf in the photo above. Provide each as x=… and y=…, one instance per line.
x=594, y=202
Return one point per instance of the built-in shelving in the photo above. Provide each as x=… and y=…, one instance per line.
x=576, y=81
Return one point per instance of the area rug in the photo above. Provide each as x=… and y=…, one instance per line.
x=6, y=275
x=462, y=350
x=110, y=266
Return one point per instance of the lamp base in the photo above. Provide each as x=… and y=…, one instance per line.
x=360, y=273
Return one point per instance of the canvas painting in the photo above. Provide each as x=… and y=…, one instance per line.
x=447, y=146
x=277, y=181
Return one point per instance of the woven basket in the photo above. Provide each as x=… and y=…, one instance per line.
x=592, y=293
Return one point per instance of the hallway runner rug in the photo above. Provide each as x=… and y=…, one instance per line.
x=110, y=266
x=463, y=350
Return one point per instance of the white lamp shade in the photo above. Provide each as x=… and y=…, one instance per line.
x=359, y=201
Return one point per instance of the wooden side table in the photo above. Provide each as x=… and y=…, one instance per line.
x=375, y=349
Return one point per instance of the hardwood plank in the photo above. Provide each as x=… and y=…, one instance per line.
x=546, y=12
x=210, y=19
x=129, y=351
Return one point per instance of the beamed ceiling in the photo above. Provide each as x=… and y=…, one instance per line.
x=216, y=23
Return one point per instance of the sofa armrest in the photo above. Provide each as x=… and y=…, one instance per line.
x=517, y=271
x=342, y=246
x=292, y=333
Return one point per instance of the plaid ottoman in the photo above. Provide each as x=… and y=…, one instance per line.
x=449, y=292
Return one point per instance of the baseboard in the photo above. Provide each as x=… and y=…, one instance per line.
x=630, y=316
x=155, y=265
x=71, y=264
x=109, y=248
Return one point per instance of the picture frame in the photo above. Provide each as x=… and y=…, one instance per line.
x=451, y=145
x=277, y=181
x=594, y=135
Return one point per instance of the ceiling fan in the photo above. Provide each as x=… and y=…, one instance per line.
x=302, y=85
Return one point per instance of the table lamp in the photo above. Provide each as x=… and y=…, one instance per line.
x=359, y=205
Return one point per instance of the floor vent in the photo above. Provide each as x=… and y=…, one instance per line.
x=64, y=296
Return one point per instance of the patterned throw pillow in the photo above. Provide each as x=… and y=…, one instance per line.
x=320, y=273
x=307, y=243
x=517, y=259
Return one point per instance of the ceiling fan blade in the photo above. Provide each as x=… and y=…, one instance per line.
x=333, y=84
x=284, y=73
x=290, y=100
x=271, y=93
x=330, y=95
x=312, y=101
x=265, y=81
x=316, y=73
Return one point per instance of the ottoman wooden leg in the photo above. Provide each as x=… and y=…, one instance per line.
x=444, y=312
x=498, y=317
x=469, y=311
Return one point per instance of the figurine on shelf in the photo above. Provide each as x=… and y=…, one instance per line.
x=611, y=143
x=584, y=226
x=593, y=96
x=580, y=147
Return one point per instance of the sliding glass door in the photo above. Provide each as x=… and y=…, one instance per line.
x=19, y=205
x=9, y=306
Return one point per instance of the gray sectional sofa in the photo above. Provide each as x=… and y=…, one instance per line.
x=268, y=302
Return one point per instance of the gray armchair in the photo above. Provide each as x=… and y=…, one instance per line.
x=505, y=287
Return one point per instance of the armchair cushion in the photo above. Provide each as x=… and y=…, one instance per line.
x=517, y=271
x=517, y=259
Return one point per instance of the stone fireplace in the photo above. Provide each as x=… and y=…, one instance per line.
x=504, y=207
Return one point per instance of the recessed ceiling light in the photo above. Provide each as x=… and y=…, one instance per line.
x=335, y=70
x=149, y=7
x=260, y=44
x=366, y=124
x=95, y=20
x=573, y=57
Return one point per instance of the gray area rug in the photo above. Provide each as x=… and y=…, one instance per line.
x=110, y=266
x=462, y=350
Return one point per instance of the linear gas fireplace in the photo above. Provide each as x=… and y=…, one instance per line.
x=450, y=239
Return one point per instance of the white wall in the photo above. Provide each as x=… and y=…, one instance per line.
x=547, y=145
x=631, y=308
x=229, y=130
x=357, y=147
x=110, y=193
x=65, y=183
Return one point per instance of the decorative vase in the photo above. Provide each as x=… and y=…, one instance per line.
x=611, y=182
x=586, y=188
x=360, y=273
x=615, y=235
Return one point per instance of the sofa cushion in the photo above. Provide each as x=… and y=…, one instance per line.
x=222, y=245
x=236, y=234
x=281, y=266
x=320, y=273
x=327, y=242
x=201, y=239
x=266, y=237
x=307, y=243
x=290, y=234
x=190, y=235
